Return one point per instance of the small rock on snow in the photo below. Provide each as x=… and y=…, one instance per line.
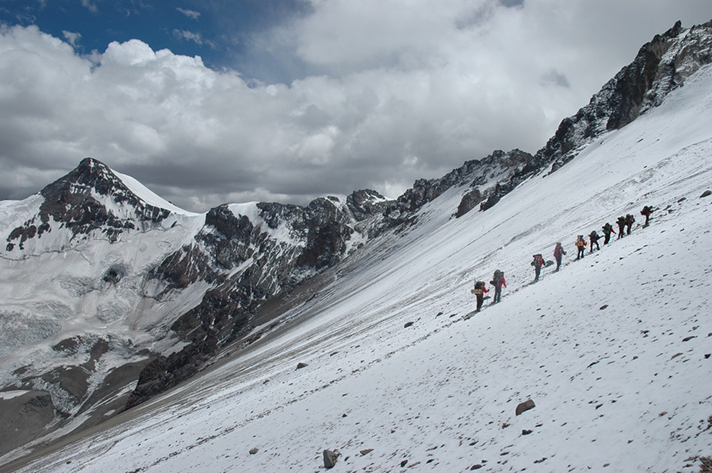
x=525, y=406
x=329, y=459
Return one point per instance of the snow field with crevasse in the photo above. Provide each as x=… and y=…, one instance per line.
x=612, y=349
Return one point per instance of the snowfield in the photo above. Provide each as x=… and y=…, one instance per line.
x=614, y=350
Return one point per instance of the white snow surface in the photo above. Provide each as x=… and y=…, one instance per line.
x=614, y=349
x=148, y=196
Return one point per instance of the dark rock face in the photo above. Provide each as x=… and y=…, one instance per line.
x=365, y=203
x=184, y=267
x=317, y=239
x=70, y=201
x=469, y=201
x=498, y=165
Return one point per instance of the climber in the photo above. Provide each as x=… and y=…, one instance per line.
x=479, y=291
x=581, y=246
x=558, y=254
x=498, y=282
x=537, y=263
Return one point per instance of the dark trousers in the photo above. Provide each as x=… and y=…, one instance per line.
x=607, y=238
x=480, y=300
x=537, y=272
x=497, y=294
x=621, y=229
x=558, y=262
x=581, y=252
x=594, y=242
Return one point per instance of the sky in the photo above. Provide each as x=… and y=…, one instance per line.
x=214, y=101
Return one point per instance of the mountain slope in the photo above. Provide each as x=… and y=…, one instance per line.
x=613, y=350
x=104, y=283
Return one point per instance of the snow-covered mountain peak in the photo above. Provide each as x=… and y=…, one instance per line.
x=91, y=199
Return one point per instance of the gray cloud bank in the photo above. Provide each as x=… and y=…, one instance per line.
x=408, y=89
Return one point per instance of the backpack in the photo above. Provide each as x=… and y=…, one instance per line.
x=594, y=235
x=495, y=278
x=479, y=287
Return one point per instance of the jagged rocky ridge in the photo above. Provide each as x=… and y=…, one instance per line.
x=662, y=65
x=245, y=255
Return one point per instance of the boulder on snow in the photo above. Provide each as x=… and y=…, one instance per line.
x=301, y=365
x=525, y=406
x=254, y=450
x=706, y=193
x=469, y=201
x=329, y=459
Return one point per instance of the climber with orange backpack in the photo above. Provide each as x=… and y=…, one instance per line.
x=581, y=245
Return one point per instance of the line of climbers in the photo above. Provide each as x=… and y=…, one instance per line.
x=625, y=225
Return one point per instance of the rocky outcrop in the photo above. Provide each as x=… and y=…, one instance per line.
x=366, y=204
x=247, y=262
x=482, y=175
x=469, y=201
x=661, y=66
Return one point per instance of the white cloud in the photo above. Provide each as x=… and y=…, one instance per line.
x=195, y=37
x=72, y=38
x=90, y=6
x=189, y=13
x=408, y=90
